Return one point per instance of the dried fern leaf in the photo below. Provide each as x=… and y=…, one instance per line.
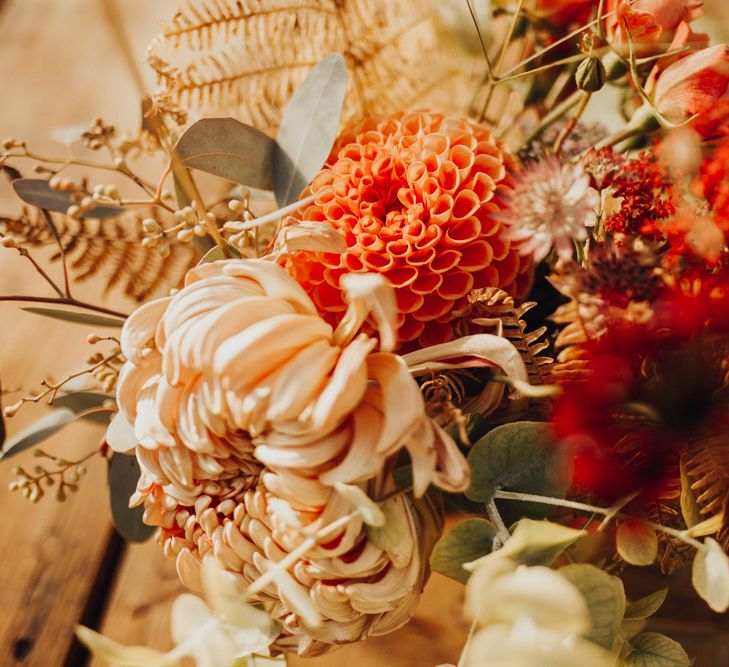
x=246, y=57
x=110, y=249
x=494, y=303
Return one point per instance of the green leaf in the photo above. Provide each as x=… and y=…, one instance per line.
x=81, y=401
x=37, y=192
x=309, y=128
x=216, y=253
x=41, y=430
x=636, y=542
x=647, y=606
x=522, y=457
x=230, y=149
x=710, y=575
x=389, y=536
x=464, y=543
x=77, y=318
x=539, y=542
x=123, y=475
x=367, y=508
x=652, y=649
x=605, y=598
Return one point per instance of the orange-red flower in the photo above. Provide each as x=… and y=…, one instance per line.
x=414, y=196
x=693, y=85
x=654, y=26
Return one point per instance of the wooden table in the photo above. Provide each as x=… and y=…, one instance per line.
x=62, y=563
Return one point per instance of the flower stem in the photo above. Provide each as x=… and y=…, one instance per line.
x=593, y=509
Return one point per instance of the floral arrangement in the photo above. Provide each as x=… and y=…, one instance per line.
x=390, y=270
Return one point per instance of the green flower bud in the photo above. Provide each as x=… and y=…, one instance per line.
x=590, y=75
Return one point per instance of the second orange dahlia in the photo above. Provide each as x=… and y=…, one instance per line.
x=414, y=196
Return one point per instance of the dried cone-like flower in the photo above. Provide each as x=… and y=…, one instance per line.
x=414, y=196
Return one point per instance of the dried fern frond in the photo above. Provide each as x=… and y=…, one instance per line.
x=109, y=248
x=496, y=304
x=246, y=57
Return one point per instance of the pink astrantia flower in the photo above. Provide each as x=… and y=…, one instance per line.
x=551, y=205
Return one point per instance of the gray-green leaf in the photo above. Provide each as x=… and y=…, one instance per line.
x=309, y=128
x=123, y=476
x=465, y=542
x=81, y=401
x=37, y=192
x=74, y=316
x=44, y=428
x=230, y=149
x=605, y=599
x=647, y=606
x=652, y=649
x=520, y=456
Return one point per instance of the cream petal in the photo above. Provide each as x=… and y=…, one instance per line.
x=139, y=329
x=346, y=386
x=250, y=355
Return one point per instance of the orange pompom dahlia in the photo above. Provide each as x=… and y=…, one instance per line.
x=414, y=196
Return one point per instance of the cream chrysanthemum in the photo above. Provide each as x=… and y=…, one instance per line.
x=238, y=370
x=250, y=413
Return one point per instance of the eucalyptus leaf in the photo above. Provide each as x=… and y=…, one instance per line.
x=123, y=475
x=230, y=149
x=636, y=542
x=81, y=401
x=605, y=599
x=652, y=649
x=392, y=534
x=521, y=456
x=308, y=129
x=41, y=430
x=216, y=253
x=464, y=543
x=710, y=575
x=37, y=192
x=76, y=317
x=539, y=542
x=647, y=606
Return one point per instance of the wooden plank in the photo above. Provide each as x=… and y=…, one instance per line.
x=59, y=67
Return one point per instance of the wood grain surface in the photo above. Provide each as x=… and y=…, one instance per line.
x=62, y=563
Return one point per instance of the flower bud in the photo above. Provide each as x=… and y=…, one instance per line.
x=590, y=75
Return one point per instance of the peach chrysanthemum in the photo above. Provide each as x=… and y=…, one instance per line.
x=238, y=370
x=258, y=428
x=357, y=588
x=414, y=196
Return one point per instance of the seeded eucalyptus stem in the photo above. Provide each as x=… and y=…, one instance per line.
x=593, y=509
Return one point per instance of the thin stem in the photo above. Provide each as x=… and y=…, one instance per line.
x=471, y=632
x=572, y=123
x=554, y=115
x=484, y=48
x=24, y=253
x=502, y=532
x=62, y=250
x=593, y=509
x=559, y=42
x=65, y=302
